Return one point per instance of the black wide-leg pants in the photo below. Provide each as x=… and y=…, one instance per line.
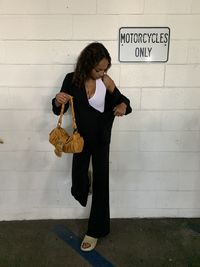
x=99, y=220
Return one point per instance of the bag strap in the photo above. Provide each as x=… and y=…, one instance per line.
x=61, y=115
x=73, y=114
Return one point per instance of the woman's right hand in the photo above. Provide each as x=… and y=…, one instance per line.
x=62, y=98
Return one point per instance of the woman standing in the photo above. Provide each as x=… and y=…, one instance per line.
x=96, y=103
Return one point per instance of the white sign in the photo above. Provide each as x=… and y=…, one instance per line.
x=144, y=44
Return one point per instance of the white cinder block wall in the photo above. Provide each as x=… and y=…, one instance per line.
x=155, y=151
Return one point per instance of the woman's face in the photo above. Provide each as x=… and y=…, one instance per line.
x=99, y=69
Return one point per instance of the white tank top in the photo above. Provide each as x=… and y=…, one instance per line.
x=97, y=101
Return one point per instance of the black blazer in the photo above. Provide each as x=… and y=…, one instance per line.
x=93, y=125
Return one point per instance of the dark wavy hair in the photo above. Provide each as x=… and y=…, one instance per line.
x=88, y=59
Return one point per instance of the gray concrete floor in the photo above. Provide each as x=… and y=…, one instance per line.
x=131, y=243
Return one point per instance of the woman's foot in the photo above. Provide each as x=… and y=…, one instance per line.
x=88, y=243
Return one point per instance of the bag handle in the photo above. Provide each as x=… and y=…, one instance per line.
x=73, y=114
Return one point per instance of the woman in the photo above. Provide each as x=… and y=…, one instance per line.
x=96, y=103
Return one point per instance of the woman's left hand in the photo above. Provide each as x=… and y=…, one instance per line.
x=120, y=110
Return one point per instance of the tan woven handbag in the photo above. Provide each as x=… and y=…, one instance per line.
x=61, y=140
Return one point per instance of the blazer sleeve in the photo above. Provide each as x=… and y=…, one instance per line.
x=66, y=86
x=118, y=97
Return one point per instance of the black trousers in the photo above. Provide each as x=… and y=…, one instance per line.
x=99, y=220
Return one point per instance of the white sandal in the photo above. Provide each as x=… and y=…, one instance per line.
x=90, y=241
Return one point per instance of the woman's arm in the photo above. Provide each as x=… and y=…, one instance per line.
x=62, y=97
x=121, y=103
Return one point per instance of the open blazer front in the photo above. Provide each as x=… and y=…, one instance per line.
x=93, y=125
